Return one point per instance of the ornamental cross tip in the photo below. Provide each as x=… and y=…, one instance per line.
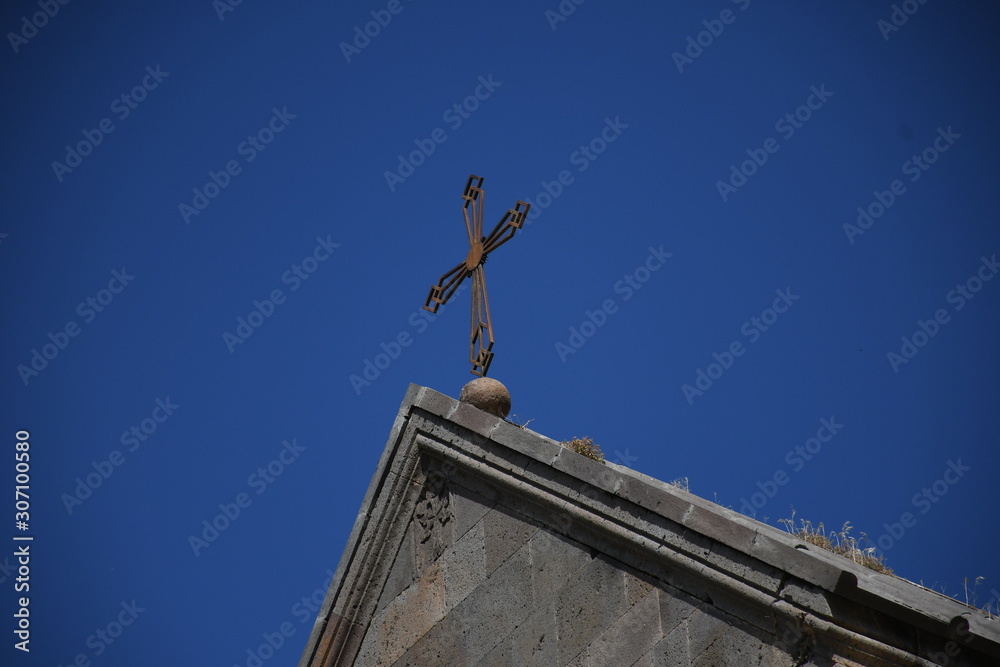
x=481, y=336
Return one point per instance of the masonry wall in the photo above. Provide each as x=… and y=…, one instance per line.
x=480, y=543
x=479, y=584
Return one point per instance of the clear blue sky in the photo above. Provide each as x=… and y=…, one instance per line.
x=169, y=170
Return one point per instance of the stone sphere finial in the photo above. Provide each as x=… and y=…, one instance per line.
x=488, y=395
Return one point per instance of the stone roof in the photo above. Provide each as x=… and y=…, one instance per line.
x=473, y=531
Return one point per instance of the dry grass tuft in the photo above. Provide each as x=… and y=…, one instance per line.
x=586, y=447
x=682, y=484
x=516, y=421
x=860, y=550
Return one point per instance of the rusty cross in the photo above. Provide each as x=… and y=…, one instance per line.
x=481, y=337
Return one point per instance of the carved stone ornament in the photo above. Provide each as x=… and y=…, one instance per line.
x=433, y=505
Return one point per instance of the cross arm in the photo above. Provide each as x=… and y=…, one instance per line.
x=512, y=220
x=472, y=207
x=445, y=287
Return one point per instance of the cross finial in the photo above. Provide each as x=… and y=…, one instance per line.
x=481, y=336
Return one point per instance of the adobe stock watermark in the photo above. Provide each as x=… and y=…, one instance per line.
x=294, y=276
x=131, y=440
x=952, y=648
x=581, y=158
x=753, y=329
x=372, y=368
x=713, y=29
x=259, y=481
x=381, y=18
x=454, y=116
x=30, y=26
x=922, y=501
x=786, y=126
x=962, y=294
x=122, y=107
x=562, y=12
x=796, y=459
x=104, y=637
x=305, y=610
x=914, y=168
x=88, y=310
x=249, y=149
x=223, y=7
x=7, y=569
x=627, y=286
x=898, y=17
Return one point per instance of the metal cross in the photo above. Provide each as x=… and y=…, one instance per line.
x=481, y=337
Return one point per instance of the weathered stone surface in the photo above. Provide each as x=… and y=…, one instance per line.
x=588, y=603
x=477, y=624
x=402, y=573
x=480, y=543
x=554, y=561
x=637, y=587
x=531, y=644
x=464, y=566
x=406, y=619
x=469, y=508
x=673, y=650
x=628, y=638
x=476, y=419
x=505, y=534
x=526, y=441
x=675, y=609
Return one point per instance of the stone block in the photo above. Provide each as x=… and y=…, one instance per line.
x=739, y=609
x=628, y=638
x=658, y=500
x=531, y=644
x=505, y=534
x=468, y=507
x=589, y=471
x=406, y=458
x=587, y=605
x=672, y=650
x=436, y=403
x=402, y=573
x=526, y=442
x=644, y=661
x=487, y=615
x=555, y=560
x=464, y=566
x=675, y=608
x=705, y=628
x=712, y=523
x=757, y=574
x=637, y=586
x=474, y=419
x=504, y=604
x=732, y=648
x=806, y=596
x=405, y=620
x=345, y=640
x=803, y=561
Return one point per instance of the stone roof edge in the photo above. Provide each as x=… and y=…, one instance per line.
x=890, y=595
x=365, y=513
x=899, y=598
